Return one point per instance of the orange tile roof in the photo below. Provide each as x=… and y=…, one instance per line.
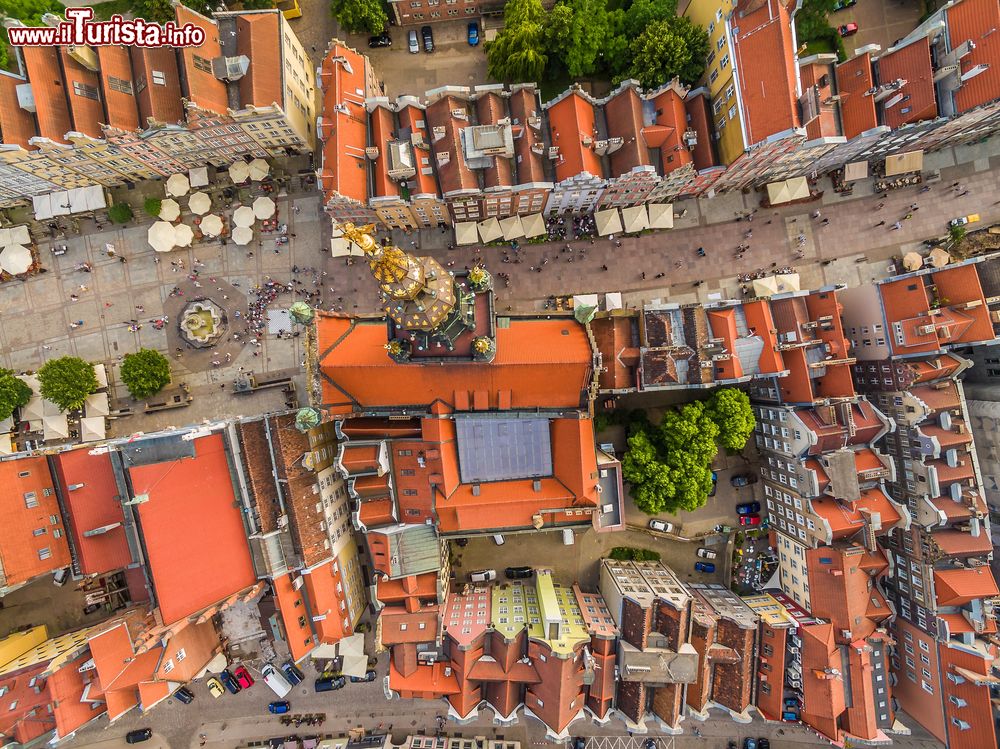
x=182, y=491
x=153, y=692
x=841, y=590
x=623, y=113
x=961, y=285
x=857, y=108
x=723, y=324
x=122, y=108
x=540, y=363
x=761, y=322
x=426, y=680
x=383, y=132
x=454, y=175
x=958, y=587
x=613, y=336
x=938, y=398
x=162, y=103
x=958, y=624
x=17, y=126
x=570, y=121
x=120, y=702
x=822, y=696
x=420, y=626
x=955, y=542
x=464, y=510
x=523, y=105
x=413, y=119
x=344, y=134
x=696, y=107
x=294, y=616
x=912, y=64
x=321, y=584
x=92, y=506
x=976, y=21
x=258, y=38
x=48, y=89
x=819, y=76
x=203, y=88
x=490, y=110
x=951, y=509
x=764, y=45
x=65, y=687
x=671, y=120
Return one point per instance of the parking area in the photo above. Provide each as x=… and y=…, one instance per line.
x=60, y=608
x=880, y=22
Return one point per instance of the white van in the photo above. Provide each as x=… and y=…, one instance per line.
x=276, y=680
x=482, y=576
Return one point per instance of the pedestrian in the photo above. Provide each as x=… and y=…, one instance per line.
x=896, y=226
x=880, y=223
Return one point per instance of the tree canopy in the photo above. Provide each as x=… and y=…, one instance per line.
x=360, y=16
x=67, y=381
x=120, y=213
x=145, y=373
x=14, y=393
x=519, y=51
x=667, y=49
x=730, y=409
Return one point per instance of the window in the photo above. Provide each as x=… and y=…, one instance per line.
x=724, y=62
x=202, y=64
x=23, y=474
x=718, y=105
x=119, y=85
x=13, y=705
x=718, y=14
x=180, y=655
x=711, y=28
x=168, y=667
x=44, y=553
x=402, y=627
x=732, y=111
x=710, y=59
x=407, y=472
x=39, y=532
x=730, y=90
x=158, y=79
x=30, y=500
x=85, y=90
x=713, y=76
x=721, y=43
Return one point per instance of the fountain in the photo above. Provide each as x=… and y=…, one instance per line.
x=202, y=323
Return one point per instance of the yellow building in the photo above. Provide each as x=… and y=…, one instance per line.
x=770, y=610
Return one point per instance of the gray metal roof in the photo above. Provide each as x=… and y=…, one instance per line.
x=500, y=449
x=415, y=549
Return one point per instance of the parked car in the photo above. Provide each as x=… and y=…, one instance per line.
x=498, y=539
x=231, y=685
x=519, y=573
x=473, y=34
x=704, y=567
x=482, y=576
x=243, y=677
x=706, y=553
x=412, y=43
x=791, y=702
x=215, y=687
x=747, y=508
x=662, y=526
x=743, y=479
x=278, y=708
x=963, y=220
x=382, y=40
x=293, y=673
x=715, y=484
x=749, y=520
x=369, y=676
x=842, y=4
x=329, y=683
x=848, y=29
x=184, y=695
x=749, y=743
x=578, y=742
x=763, y=743
x=789, y=716
x=138, y=735
x=427, y=34
x=276, y=680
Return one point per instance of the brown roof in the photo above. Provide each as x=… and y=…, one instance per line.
x=523, y=105
x=159, y=102
x=257, y=38
x=51, y=109
x=344, y=134
x=857, y=109
x=412, y=119
x=623, y=113
x=697, y=109
x=454, y=175
x=957, y=587
x=382, y=133
x=571, y=120
x=820, y=76
x=203, y=88
x=490, y=110
x=17, y=126
x=976, y=21
x=668, y=130
x=122, y=108
x=912, y=64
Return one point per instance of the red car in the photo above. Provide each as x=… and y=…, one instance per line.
x=744, y=520
x=246, y=680
x=848, y=29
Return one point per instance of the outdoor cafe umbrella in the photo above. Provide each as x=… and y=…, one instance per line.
x=243, y=216
x=258, y=169
x=161, y=236
x=239, y=172
x=183, y=235
x=913, y=261
x=263, y=207
x=200, y=203
x=15, y=259
x=211, y=225
x=939, y=258
x=169, y=210
x=178, y=185
x=242, y=235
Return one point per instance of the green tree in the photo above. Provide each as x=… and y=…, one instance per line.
x=28, y=12
x=730, y=409
x=577, y=35
x=518, y=53
x=642, y=13
x=359, y=16
x=120, y=213
x=145, y=373
x=667, y=49
x=14, y=393
x=67, y=382
x=152, y=206
x=257, y=4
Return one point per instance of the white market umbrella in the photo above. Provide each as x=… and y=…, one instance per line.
x=5, y=238
x=913, y=261
x=200, y=203
x=93, y=428
x=170, y=210
x=490, y=229
x=512, y=228
x=15, y=259
x=211, y=225
x=97, y=405
x=178, y=185
x=258, y=169
x=55, y=427
x=465, y=233
x=661, y=216
x=244, y=216
x=19, y=235
x=161, y=236
x=263, y=207
x=239, y=172
x=635, y=219
x=608, y=222
x=243, y=235
x=198, y=177
x=183, y=235
x=533, y=225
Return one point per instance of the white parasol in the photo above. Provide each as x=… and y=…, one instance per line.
x=15, y=259
x=242, y=235
x=161, y=236
x=170, y=210
x=177, y=185
x=258, y=169
x=183, y=235
x=239, y=172
x=211, y=225
x=244, y=216
x=263, y=207
x=200, y=203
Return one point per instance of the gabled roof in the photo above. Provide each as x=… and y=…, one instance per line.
x=957, y=587
x=48, y=90
x=294, y=617
x=490, y=110
x=203, y=88
x=159, y=101
x=572, y=119
x=17, y=126
x=523, y=105
x=623, y=113
x=321, y=584
x=857, y=107
x=818, y=77
x=412, y=119
x=696, y=107
x=976, y=21
x=383, y=133
x=86, y=112
x=912, y=64
x=122, y=108
x=344, y=131
x=258, y=37
x=453, y=173
x=670, y=124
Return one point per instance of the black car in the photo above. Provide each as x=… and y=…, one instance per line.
x=184, y=695
x=579, y=743
x=763, y=743
x=428, y=36
x=519, y=573
x=231, y=685
x=369, y=676
x=382, y=40
x=293, y=673
x=138, y=735
x=330, y=683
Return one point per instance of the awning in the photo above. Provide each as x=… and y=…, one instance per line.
x=65, y=202
x=242, y=235
x=939, y=258
x=661, y=216
x=244, y=216
x=608, y=221
x=340, y=247
x=183, y=235
x=855, y=170
x=263, y=207
x=55, y=427
x=34, y=409
x=101, y=373
x=770, y=285
x=258, y=169
x=613, y=300
x=211, y=225
x=904, y=163
x=6, y=445
x=93, y=428
x=169, y=210
x=97, y=405
x=796, y=188
x=465, y=233
x=635, y=219
x=177, y=185
x=913, y=261
x=200, y=203
x=15, y=259
x=161, y=236
x=512, y=228
x=198, y=177
x=489, y=230
x=239, y=172
x=533, y=225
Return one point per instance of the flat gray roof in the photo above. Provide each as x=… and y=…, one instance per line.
x=500, y=449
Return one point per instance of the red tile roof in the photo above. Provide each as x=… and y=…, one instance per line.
x=192, y=522
x=696, y=107
x=976, y=21
x=613, y=336
x=764, y=45
x=122, y=108
x=203, y=88
x=956, y=543
x=820, y=76
x=571, y=120
x=623, y=113
x=321, y=583
x=490, y=110
x=344, y=133
x=162, y=103
x=857, y=107
x=668, y=130
x=912, y=64
x=295, y=617
x=454, y=175
x=412, y=118
x=383, y=132
x=17, y=126
x=47, y=87
x=258, y=38
x=524, y=105
x=958, y=587
x=65, y=687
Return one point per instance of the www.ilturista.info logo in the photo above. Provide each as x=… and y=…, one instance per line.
x=78, y=28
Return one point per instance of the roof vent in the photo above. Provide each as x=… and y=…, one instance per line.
x=475, y=490
x=536, y=485
x=74, y=487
